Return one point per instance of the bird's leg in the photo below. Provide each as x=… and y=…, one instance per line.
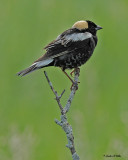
x=71, y=75
x=72, y=72
x=68, y=76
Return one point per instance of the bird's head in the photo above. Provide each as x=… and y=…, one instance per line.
x=88, y=26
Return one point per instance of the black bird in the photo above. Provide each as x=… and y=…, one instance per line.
x=70, y=50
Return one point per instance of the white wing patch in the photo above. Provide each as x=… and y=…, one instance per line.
x=78, y=36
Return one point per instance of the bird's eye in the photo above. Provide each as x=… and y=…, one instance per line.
x=92, y=27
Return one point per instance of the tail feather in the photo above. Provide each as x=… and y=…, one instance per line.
x=35, y=66
x=27, y=70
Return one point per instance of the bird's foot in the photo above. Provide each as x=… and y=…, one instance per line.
x=74, y=84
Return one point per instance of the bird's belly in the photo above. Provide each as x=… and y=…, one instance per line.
x=73, y=60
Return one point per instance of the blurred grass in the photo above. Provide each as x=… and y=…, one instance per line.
x=99, y=113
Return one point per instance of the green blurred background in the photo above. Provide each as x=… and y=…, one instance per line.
x=99, y=112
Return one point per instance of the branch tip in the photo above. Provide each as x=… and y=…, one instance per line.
x=58, y=122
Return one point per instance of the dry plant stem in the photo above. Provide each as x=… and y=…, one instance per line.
x=64, y=122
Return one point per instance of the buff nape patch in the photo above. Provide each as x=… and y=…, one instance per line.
x=80, y=25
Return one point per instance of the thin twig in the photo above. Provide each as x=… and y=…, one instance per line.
x=64, y=122
x=55, y=93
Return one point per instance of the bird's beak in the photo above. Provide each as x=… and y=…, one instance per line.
x=98, y=28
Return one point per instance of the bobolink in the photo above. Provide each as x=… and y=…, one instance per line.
x=70, y=50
